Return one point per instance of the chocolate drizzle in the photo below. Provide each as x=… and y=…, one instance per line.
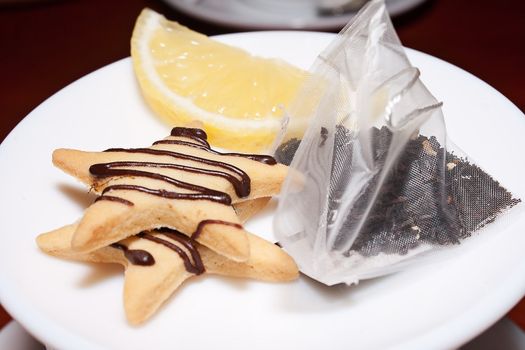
x=200, y=136
x=242, y=186
x=196, y=267
x=183, y=245
x=261, y=158
x=135, y=256
x=103, y=170
x=203, y=223
x=245, y=179
x=237, y=177
x=193, y=133
x=114, y=199
x=218, y=197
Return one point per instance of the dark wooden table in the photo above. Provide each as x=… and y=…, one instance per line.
x=46, y=45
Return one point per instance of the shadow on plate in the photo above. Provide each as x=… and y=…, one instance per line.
x=99, y=272
x=78, y=195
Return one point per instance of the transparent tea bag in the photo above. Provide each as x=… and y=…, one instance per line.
x=374, y=184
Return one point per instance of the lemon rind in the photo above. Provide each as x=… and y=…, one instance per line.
x=151, y=21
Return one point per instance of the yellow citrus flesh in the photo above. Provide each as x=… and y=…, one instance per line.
x=186, y=76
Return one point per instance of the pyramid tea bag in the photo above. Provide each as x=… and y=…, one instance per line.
x=379, y=185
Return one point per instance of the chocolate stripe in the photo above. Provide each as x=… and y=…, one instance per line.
x=196, y=267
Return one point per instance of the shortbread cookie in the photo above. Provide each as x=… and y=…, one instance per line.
x=213, y=224
x=157, y=262
x=178, y=182
x=247, y=209
x=186, y=156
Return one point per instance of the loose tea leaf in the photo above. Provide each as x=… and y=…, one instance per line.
x=428, y=196
x=285, y=152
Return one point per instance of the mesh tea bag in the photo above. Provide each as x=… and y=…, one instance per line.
x=374, y=184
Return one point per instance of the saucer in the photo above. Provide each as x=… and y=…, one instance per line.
x=246, y=14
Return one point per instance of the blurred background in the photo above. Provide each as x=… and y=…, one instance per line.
x=47, y=44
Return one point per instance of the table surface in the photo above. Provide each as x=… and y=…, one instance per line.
x=45, y=45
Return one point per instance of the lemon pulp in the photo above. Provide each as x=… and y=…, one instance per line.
x=186, y=76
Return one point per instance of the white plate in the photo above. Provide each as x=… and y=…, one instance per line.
x=78, y=306
x=503, y=335
x=261, y=14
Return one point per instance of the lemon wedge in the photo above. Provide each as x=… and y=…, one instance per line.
x=186, y=76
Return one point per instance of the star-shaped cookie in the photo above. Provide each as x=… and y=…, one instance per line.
x=157, y=262
x=178, y=182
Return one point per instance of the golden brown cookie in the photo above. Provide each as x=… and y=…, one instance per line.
x=179, y=182
x=247, y=209
x=157, y=262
